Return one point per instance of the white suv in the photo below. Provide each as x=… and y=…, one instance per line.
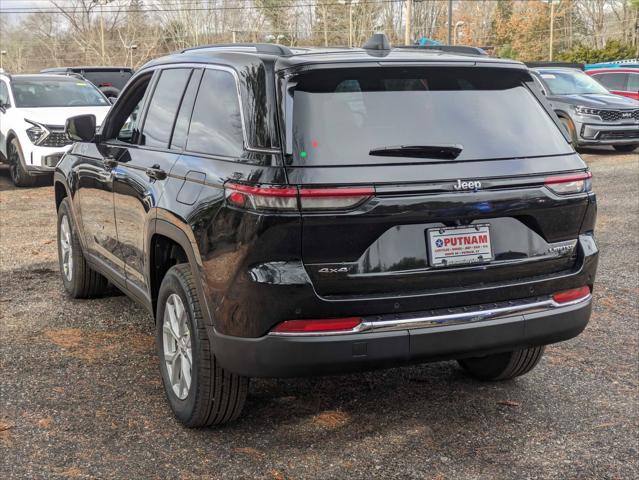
x=33, y=112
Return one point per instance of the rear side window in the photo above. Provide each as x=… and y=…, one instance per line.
x=178, y=141
x=613, y=81
x=365, y=115
x=163, y=107
x=216, y=124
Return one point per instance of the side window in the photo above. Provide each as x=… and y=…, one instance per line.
x=163, y=107
x=216, y=125
x=613, y=81
x=4, y=94
x=633, y=82
x=178, y=140
x=129, y=131
x=123, y=121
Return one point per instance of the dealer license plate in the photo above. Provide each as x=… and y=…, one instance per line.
x=459, y=245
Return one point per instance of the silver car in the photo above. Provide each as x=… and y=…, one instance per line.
x=591, y=114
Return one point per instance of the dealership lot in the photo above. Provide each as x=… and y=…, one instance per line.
x=81, y=396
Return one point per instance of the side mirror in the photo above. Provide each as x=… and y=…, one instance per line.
x=4, y=106
x=80, y=128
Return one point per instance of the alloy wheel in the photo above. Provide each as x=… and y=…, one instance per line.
x=66, y=248
x=177, y=348
x=14, y=171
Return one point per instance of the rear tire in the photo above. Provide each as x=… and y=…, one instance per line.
x=80, y=280
x=200, y=392
x=19, y=175
x=503, y=366
x=625, y=148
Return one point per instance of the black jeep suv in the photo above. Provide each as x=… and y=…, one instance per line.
x=288, y=212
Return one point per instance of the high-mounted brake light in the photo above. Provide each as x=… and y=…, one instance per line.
x=292, y=198
x=318, y=326
x=571, y=295
x=569, y=184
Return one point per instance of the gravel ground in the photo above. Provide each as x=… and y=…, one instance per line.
x=81, y=394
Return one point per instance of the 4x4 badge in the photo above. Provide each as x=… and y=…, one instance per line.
x=467, y=185
x=333, y=270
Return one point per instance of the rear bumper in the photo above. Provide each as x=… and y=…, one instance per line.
x=286, y=356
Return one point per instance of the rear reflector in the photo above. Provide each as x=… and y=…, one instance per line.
x=571, y=295
x=292, y=198
x=322, y=325
x=568, y=184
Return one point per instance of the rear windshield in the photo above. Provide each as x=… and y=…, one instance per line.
x=56, y=92
x=115, y=79
x=357, y=116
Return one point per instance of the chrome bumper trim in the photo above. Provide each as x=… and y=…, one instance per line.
x=471, y=316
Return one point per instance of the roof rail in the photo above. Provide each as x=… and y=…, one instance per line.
x=268, y=48
x=579, y=66
x=449, y=48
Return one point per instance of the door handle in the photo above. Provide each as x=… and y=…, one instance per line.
x=156, y=173
x=110, y=162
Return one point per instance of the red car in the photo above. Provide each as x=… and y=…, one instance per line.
x=621, y=81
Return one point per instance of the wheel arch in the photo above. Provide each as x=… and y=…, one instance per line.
x=167, y=245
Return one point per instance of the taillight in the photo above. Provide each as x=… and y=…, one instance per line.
x=569, y=184
x=292, y=198
x=318, y=326
x=571, y=295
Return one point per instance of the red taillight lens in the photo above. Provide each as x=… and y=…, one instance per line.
x=333, y=198
x=261, y=198
x=571, y=295
x=318, y=326
x=569, y=184
x=292, y=198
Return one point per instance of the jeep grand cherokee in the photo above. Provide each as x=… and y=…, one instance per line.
x=286, y=212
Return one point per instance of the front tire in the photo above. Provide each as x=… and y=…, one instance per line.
x=200, y=392
x=625, y=148
x=572, y=131
x=80, y=280
x=503, y=366
x=19, y=175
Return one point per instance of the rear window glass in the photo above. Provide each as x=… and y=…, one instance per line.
x=115, y=79
x=338, y=117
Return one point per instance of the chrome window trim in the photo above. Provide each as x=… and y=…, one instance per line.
x=444, y=320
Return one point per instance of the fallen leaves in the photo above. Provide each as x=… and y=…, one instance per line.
x=251, y=452
x=331, y=419
x=94, y=345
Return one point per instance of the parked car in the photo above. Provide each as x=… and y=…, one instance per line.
x=33, y=112
x=620, y=80
x=286, y=212
x=591, y=114
x=110, y=80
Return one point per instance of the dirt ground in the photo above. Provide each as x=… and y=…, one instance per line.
x=81, y=395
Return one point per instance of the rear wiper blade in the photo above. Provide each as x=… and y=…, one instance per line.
x=443, y=152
